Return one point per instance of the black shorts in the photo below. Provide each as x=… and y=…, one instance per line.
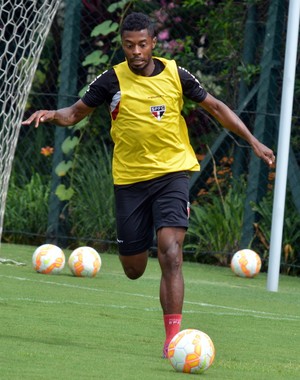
x=146, y=206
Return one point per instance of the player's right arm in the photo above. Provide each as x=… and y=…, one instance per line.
x=63, y=117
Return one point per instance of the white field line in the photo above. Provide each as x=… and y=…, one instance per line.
x=206, y=308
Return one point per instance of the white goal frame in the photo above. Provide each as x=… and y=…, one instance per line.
x=24, y=26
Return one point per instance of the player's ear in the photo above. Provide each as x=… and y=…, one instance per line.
x=154, y=40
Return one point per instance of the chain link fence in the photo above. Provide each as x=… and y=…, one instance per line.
x=61, y=186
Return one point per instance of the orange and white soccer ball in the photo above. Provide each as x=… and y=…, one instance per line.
x=191, y=351
x=245, y=263
x=85, y=262
x=48, y=259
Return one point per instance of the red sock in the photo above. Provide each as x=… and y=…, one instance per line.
x=172, y=326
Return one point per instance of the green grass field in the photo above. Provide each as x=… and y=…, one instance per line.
x=108, y=327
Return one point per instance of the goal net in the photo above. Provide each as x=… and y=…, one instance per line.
x=24, y=25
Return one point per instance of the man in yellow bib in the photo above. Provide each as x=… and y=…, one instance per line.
x=152, y=155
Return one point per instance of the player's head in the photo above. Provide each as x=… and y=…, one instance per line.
x=137, y=21
x=138, y=41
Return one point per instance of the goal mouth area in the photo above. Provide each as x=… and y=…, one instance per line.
x=24, y=29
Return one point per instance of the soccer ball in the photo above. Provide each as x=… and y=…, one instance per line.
x=84, y=262
x=245, y=263
x=48, y=259
x=191, y=351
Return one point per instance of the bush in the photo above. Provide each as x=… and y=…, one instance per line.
x=291, y=233
x=215, y=226
x=91, y=209
x=27, y=209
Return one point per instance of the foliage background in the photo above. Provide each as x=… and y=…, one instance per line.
x=208, y=39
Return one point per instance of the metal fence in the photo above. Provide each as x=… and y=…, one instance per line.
x=235, y=48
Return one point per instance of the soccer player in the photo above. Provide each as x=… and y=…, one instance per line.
x=152, y=155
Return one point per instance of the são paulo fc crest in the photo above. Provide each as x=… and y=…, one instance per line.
x=158, y=111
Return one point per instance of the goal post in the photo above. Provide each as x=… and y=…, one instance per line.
x=24, y=26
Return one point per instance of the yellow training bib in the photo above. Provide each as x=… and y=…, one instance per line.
x=149, y=132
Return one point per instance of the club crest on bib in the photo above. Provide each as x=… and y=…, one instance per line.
x=158, y=111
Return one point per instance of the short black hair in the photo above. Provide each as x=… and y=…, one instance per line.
x=137, y=21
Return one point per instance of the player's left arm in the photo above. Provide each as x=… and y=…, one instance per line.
x=233, y=123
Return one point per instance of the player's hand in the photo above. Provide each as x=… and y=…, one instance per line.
x=263, y=152
x=38, y=117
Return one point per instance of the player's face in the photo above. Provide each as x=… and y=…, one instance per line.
x=138, y=46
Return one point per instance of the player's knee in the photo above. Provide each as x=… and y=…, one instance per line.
x=175, y=261
x=134, y=266
x=133, y=273
x=171, y=259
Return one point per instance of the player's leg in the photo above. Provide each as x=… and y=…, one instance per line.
x=169, y=244
x=170, y=241
x=134, y=266
x=170, y=211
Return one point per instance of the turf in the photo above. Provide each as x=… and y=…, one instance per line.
x=108, y=327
